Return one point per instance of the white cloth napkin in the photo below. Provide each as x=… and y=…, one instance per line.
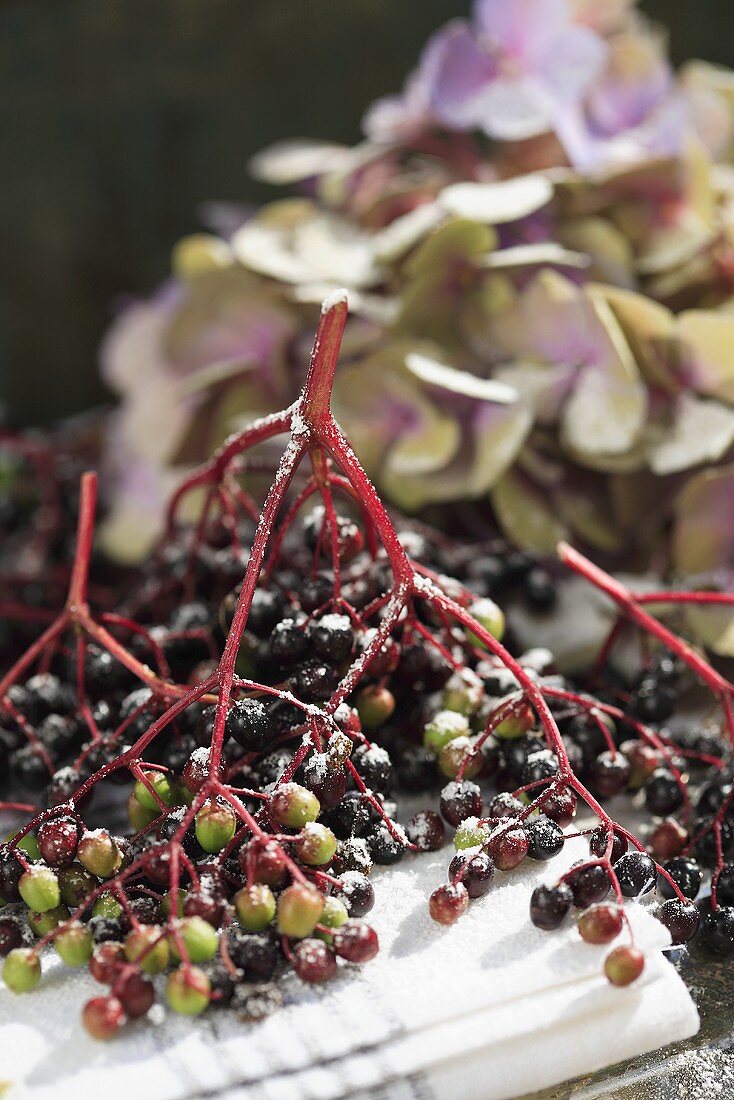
x=489, y=1009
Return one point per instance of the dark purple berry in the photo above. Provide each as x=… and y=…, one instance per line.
x=636, y=874
x=475, y=871
x=460, y=800
x=549, y=905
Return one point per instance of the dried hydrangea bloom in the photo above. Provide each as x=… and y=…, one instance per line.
x=545, y=217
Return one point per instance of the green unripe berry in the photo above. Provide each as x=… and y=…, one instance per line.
x=139, y=815
x=75, y=884
x=99, y=854
x=488, y=615
x=463, y=692
x=21, y=970
x=166, y=903
x=162, y=786
x=299, y=910
x=333, y=915
x=216, y=824
x=138, y=948
x=39, y=889
x=188, y=990
x=75, y=945
x=43, y=923
x=294, y=806
x=316, y=845
x=515, y=725
x=199, y=938
x=29, y=845
x=444, y=727
x=624, y=965
x=375, y=706
x=255, y=906
x=470, y=834
x=455, y=754
x=106, y=905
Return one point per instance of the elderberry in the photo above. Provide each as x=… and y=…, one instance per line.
x=682, y=919
x=474, y=871
x=724, y=885
x=687, y=875
x=635, y=873
x=545, y=838
x=589, y=885
x=663, y=795
x=549, y=905
x=718, y=930
x=384, y=847
x=599, y=840
x=250, y=723
x=254, y=954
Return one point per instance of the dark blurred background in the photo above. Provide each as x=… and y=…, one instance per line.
x=118, y=118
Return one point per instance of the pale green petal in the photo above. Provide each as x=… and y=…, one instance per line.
x=707, y=337
x=496, y=203
x=702, y=431
x=713, y=627
x=527, y=516
x=292, y=161
x=606, y=411
x=703, y=535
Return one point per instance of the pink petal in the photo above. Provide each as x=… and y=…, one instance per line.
x=522, y=28
x=572, y=60
x=463, y=73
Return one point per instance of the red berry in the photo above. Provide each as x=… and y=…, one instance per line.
x=103, y=1017
x=58, y=841
x=136, y=994
x=313, y=961
x=508, y=847
x=356, y=942
x=560, y=807
x=667, y=839
x=623, y=965
x=601, y=924
x=268, y=862
x=426, y=830
x=449, y=902
x=106, y=962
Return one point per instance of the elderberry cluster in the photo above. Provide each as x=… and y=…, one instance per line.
x=261, y=693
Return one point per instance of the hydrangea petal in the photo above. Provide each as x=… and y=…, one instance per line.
x=490, y=443
x=707, y=338
x=521, y=28
x=649, y=329
x=543, y=387
x=702, y=431
x=502, y=201
x=295, y=242
x=703, y=534
x=713, y=627
x=574, y=58
x=134, y=345
x=514, y=108
x=405, y=232
x=463, y=72
x=434, y=373
x=288, y=162
x=526, y=515
x=606, y=411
